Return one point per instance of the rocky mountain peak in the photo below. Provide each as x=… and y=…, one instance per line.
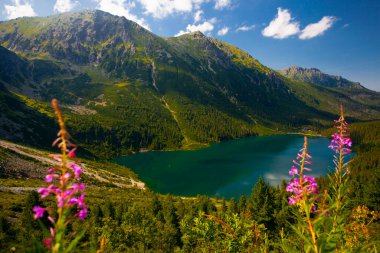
x=315, y=76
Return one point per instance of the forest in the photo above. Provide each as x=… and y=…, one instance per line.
x=334, y=213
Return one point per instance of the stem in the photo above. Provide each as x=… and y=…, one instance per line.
x=339, y=167
x=306, y=206
x=311, y=228
x=60, y=225
x=304, y=153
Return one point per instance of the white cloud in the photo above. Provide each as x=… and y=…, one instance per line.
x=121, y=8
x=221, y=4
x=283, y=26
x=64, y=5
x=19, y=10
x=316, y=29
x=245, y=28
x=204, y=27
x=164, y=8
x=223, y=31
x=198, y=16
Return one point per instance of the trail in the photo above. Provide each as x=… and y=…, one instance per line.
x=97, y=174
x=187, y=142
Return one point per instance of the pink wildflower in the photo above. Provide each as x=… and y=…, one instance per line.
x=81, y=201
x=293, y=171
x=341, y=142
x=71, y=153
x=39, y=212
x=303, y=186
x=82, y=213
x=48, y=242
x=77, y=170
x=49, y=177
x=52, y=232
x=67, y=191
x=72, y=201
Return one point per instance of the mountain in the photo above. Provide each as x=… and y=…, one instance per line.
x=336, y=84
x=123, y=88
x=315, y=76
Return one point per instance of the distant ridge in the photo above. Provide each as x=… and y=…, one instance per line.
x=315, y=76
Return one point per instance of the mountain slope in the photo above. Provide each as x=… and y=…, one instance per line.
x=340, y=87
x=124, y=88
x=315, y=76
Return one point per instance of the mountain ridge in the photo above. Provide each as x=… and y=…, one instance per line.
x=124, y=88
x=315, y=76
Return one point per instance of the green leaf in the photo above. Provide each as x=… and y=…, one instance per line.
x=74, y=242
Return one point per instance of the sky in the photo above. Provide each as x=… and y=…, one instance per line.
x=339, y=37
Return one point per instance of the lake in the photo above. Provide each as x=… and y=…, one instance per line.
x=227, y=169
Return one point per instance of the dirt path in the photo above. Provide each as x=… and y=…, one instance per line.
x=99, y=175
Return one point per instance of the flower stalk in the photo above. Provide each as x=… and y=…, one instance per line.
x=64, y=186
x=340, y=144
x=303, y=189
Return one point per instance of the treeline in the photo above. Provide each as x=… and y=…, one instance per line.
x=131, y=120
x=207, y=124
x=135, y=221
x=130, y=220
x=365, y=167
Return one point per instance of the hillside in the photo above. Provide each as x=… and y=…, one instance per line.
x=24, y=163
x=124, y=88
x=132, y=219
x=315, y=76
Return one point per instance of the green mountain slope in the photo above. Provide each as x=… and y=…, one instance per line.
x=124, y=88
x=353, y=95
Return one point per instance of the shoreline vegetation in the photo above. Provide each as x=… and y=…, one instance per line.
x=129, y=220
x=196, y=146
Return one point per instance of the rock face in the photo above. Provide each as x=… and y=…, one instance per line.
x=125, y=88
x=315, y=76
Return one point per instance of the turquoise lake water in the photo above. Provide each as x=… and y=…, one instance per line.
x=229, y=168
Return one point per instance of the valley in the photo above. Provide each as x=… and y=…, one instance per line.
x=116, y=80
x=184, y=144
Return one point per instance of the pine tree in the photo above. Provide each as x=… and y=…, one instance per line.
x=262, y=203
x=232, y=207
x=242, y=204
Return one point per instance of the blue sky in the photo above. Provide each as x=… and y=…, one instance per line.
x=340, y=37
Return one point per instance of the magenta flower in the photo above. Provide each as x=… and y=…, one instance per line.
x=293, y=171
x=82, y=213
x=77, y=187
x=81, y=201
x=341, y=144
x=48, y=242
x=51, y=189
x=49, y=177
x=71, y=153
x=72, y=201
x=52, y=232
x=66, y=190
x=39, y=212
x=77, y=171
x=301, y=186
x=51, y=170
